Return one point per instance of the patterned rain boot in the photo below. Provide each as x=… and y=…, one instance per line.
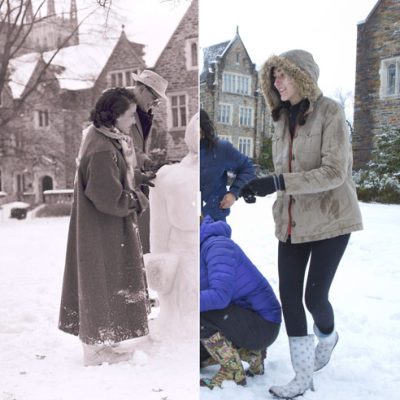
x=255, y=359
x=325, y=346
x=302, y=354
x=210, y=361
x=222, y=350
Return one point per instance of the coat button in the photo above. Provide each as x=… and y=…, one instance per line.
x=293, y=224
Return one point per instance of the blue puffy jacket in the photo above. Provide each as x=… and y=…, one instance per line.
x=227, y=276
x=214, y=166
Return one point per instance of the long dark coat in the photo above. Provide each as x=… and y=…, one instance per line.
x=140, y=134
x=104, y=295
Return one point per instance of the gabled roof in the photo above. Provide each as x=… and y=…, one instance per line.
x=78, y=66
x=371, y=12
x=211, y=53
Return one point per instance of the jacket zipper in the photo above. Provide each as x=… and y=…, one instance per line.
x=289, y=229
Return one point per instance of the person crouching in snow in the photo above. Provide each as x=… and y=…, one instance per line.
x=240, y=315
x=104, y=296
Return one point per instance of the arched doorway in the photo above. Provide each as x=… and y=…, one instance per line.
x=47, y=184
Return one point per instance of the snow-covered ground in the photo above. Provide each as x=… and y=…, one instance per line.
x=366, y=299
x=38, y=362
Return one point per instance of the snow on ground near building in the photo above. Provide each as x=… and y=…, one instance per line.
x=38, y=362
x=366, y=298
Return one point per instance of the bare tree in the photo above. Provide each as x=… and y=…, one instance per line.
x=17, y=20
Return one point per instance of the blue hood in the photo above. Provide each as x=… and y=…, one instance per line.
x=209, y=228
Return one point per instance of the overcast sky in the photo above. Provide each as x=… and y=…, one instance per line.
x=326, y=28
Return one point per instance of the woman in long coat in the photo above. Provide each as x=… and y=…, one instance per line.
x=104, y=297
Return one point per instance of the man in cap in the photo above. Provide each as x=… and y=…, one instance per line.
x=149, y=90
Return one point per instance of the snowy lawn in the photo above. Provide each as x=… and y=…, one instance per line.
x=38, y=362
x=366, y=298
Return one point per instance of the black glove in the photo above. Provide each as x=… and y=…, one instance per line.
x=262, y=187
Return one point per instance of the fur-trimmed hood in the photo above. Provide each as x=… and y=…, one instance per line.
x=300, y=65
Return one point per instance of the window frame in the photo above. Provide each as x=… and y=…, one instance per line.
x=124, y=74
x=250, y=145
x=243, y=109
x=192, y=63
x=170, y=112
x=221, y=105
x=234, y=83
x=384, y=78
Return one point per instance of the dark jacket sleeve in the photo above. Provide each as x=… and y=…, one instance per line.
x=220, y=259
x=241, y=166
x=103, y=186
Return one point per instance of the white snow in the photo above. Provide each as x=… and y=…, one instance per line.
x=365, y=296
x=39, y=362
x=76, y=67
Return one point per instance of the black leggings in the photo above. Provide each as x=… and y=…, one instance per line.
x=244, y=328
x=292, y=263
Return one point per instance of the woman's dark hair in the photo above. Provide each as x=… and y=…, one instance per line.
x=111, y=105
x=284, y=106
x=208, y=131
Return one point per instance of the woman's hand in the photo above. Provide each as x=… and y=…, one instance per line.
x=227, y=201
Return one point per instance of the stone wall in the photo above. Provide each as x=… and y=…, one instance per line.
x=378, y=38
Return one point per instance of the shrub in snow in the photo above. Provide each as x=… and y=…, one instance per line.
x=18, y=213
x=380, y=180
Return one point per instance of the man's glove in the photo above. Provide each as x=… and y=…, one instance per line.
x=144, y=178
x=262, y=187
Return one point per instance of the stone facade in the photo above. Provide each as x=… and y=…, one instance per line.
x=41, y=144
x=178, y=64
x=41, y=156
x=377, y=95
x=229, y=89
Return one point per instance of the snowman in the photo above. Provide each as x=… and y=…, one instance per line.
x=172, y=264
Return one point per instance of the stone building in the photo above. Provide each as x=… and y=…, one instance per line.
x=178, y=63
x=40, y=145
x=377, y=89
x=230, y=93
x=39, y=148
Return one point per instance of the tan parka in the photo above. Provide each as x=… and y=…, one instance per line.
x=319, y=200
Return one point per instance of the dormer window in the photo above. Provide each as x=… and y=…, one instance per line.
x=121, y=78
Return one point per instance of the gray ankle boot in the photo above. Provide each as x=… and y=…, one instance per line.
x=325, y=346
x=302, y=354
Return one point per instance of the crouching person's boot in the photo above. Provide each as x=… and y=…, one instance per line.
x=255, y=359
x=222, y=350
x=325, y=346
x=98, y=354
x=302, y=354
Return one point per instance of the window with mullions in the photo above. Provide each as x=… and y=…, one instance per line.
x=178, y=107
x=225, y=114
x=121, y=78
x=236, y=83
x=390, y=77
x=246, y=116
x=42, y=119
x=246, y=146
